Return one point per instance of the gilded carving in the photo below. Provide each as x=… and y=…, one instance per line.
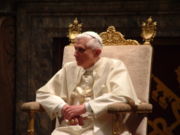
x=148, y=30
x=75, y=28
x=113, y=37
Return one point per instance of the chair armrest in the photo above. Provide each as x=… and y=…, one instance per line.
x=124, y=107
x=32, y=106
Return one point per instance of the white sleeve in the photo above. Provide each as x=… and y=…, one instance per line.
x=51, y=96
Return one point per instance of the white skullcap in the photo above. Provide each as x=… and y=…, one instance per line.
x=96, y=43
x=94, y=35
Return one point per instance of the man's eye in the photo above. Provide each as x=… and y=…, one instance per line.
x=81, y=50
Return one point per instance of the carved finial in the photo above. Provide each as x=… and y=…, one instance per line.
x=148, y=30
x=74, y=29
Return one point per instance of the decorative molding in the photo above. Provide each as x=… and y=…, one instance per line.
x=113, y=37
x=165, y=97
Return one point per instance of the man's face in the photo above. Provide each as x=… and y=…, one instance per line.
x=85, y=56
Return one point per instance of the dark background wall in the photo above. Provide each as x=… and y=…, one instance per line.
x=7, y=67
x=31, y=32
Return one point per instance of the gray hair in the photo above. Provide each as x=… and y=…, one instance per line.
x=95, y=42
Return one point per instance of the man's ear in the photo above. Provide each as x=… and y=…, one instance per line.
x=97, y=52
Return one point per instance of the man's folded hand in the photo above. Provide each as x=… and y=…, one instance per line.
x=76, y=121
x=73, y=111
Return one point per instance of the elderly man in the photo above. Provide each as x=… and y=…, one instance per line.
x=79, y=93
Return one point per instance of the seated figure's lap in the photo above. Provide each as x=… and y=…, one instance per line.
x=57, y=132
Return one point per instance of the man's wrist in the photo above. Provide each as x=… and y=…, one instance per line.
x=60, y=107
x=88, y=108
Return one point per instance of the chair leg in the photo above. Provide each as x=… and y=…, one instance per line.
x=115, y=126
x=30, y=129
x=118, y=127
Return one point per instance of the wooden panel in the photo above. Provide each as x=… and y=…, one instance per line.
x=7, y=74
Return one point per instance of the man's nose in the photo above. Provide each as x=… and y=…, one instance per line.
x=75, y=53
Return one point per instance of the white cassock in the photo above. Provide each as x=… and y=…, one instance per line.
x=106, y=82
